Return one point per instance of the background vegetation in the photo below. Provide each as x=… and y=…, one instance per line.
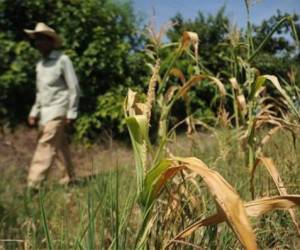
x=101, y=37
x=106, y=41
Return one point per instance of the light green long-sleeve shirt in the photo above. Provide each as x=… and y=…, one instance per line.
x=57, y=87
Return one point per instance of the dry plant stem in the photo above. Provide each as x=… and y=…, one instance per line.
x=151, y=90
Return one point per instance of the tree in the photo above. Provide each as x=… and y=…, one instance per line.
x=101, y=37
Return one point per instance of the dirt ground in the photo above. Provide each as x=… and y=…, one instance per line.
x=16, y=150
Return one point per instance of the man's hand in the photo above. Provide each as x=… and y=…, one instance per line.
x=32, y=121
x=69, y=122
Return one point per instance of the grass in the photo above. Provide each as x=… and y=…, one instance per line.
x=102, y=213
x=64, y=218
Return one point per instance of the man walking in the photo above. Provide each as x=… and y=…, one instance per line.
x=55, y=106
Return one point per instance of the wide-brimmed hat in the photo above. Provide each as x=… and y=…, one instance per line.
x=42, y=28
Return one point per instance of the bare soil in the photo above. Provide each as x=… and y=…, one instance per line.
x=17, y=148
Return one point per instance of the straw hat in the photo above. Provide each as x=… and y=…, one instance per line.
x=42, y=28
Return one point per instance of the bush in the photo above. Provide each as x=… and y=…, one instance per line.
x=102, y=40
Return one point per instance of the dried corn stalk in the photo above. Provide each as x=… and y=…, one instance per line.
x=253, y=209
x=229, y=202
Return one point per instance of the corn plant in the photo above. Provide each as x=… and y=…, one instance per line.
x=156, y=165
x=255, y=109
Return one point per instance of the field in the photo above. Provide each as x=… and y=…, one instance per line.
x=100, y=213
x=207, y=115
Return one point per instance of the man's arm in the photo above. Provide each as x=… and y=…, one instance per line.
x=35, y=110
x=73, y=86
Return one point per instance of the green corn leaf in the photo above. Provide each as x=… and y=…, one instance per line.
x=256, y=87
x=138, y=130
x=153, y=183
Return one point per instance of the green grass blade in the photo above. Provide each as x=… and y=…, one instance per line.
x=91, y=224
x=150, y=190
x=44, y=221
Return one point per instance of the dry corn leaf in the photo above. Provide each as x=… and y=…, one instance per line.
x=266, y=138
x=234, y=83
x=167, y=175
x=190, y=125
x=266, y=109
x=242, y=105
x=140, y=108
x=190, y=38
x=219, y=84
x=261, y=206
x=132, y=106
x=226, y=197
x=272, y=169
x=178, y=73
x=183, y=90
x=230, y=206
x=211, y=220
x=253, y=209
x=130, y=101
x=267, y=119
x=170, y=93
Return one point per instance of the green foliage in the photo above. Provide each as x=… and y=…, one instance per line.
x=102, y=40
x=16, y=79
x=108, y=115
